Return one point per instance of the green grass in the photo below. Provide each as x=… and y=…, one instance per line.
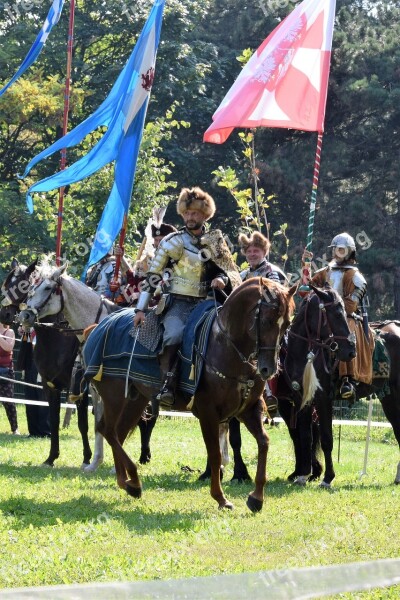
x=61, y=526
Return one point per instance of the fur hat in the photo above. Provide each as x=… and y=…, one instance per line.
x=195, y=199
x=256, y=239
x=163, y=229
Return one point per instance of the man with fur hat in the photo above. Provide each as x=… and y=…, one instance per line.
x=255, y=248
x=197, y=261
x=343, y=276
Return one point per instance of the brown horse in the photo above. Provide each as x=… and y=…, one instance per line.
x=241, y=354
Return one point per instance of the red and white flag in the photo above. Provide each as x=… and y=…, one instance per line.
x=285, y=82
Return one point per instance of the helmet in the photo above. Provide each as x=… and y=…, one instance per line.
x=343, y=240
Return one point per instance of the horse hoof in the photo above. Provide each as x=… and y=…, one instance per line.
x=91, y=468
x=135, y=492
x=325, y=485
x=253, y=504
x=292, y=476
x=48, y=464
x=227, y=505
x=144, y=459
x=204, y=476
x=301, y=480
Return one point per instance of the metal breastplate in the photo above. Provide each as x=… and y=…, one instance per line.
x=335, y=280
x=187, y=274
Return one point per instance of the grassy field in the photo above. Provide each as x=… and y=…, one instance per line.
x=61, y=526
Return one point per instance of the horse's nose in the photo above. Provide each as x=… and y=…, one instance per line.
x=265, y=372
x=26, y=317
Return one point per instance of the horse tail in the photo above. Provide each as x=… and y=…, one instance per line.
x=310, y=383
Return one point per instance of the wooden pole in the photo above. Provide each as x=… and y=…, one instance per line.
x=306, y=269
x=63, y=162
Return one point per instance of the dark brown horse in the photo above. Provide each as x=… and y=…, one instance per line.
x=241, y=354
x=313, y=422
x=54, y=354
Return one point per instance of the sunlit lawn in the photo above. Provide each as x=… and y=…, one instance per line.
x=62, y=526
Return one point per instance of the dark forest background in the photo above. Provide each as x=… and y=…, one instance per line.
x=197, y=63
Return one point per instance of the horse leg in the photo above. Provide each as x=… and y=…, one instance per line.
x=209, y=423
x=289, y=415
x=112, y=392
x=391, y=408
x=315, y=447
x=53, y=397
x=240, y=472
x=98, y=455
x=146, y=426
x=253, y=419
x=83, y=426
x=325, y=415
x=223, y=445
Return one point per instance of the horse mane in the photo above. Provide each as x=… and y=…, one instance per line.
x=272, y=290
x=46, y=267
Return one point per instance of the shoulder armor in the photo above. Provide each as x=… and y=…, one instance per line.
x=359, y=279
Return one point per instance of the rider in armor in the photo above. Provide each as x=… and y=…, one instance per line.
x=101, y=274
x=343, y=276
x=136, y=277
x=256, y=248
x=196, y=262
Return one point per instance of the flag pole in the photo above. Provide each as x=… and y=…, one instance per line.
x=63, y=161
x=114, y=283
x=306, y=271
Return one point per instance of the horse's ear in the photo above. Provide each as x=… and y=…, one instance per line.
x=31, y=268
x=293, y=290
x=14, y=264
x=58, y=272
x=320, y=293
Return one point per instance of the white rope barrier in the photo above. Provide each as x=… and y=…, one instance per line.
x=283, y=584
x=179, y=414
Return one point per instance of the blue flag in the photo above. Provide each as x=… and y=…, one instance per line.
x=123, y=113
x=52, y=19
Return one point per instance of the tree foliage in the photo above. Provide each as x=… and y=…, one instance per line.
x=199, y=57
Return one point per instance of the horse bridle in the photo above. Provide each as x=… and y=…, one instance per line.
x=58, y=291
x=329, y=342
x=253, y=356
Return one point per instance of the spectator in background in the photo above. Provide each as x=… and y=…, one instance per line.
x=7, y=342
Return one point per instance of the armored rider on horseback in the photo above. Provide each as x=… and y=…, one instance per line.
x=343, y=275
x=196, y=261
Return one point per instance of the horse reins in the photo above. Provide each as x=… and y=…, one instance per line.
x=329, y=342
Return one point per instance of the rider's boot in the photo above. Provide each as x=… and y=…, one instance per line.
x=169, y=362
x=347, y=389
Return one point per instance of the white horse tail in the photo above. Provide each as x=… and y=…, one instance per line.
x=310, y=383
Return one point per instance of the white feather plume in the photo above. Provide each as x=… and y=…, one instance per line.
x=158, y=215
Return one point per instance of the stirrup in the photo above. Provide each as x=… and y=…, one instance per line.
x=272, y=405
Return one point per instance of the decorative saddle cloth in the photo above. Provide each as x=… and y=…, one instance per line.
x=380, y=357
x=108, y=349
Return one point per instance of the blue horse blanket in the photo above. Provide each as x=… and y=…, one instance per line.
x=108, y=349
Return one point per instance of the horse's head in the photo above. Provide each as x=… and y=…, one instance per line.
x=260, y=314
x=44, y=295
x=326, y=322
x=15, y=290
